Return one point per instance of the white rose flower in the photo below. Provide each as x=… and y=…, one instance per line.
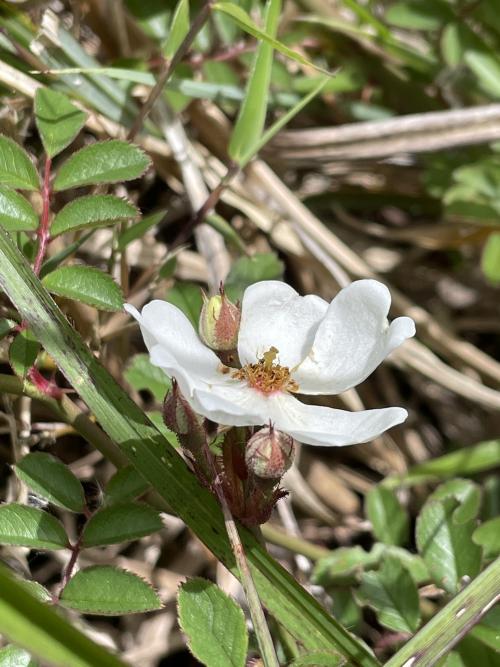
x=287, y=344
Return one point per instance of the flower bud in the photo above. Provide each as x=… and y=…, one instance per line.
x=219, y=323
x=269, y=453
x=180, y=418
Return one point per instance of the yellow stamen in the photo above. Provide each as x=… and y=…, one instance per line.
x=266, y=376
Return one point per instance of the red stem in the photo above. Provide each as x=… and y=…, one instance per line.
x=43, y=229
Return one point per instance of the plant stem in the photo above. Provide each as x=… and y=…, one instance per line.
x=43, y=229
x=451, y=623
x=75, y=552
x=268, y=653
x=169, y=68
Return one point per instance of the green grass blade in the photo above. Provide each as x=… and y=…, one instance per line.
x=45, y=633
x=452, y=622
x=465, y=461
x=163, y=468
x=252, y=116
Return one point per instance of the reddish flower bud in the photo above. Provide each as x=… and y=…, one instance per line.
x=269, y=453
x=219, y=323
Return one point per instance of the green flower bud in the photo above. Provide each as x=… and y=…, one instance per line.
x=219, y=323
x=269, y=453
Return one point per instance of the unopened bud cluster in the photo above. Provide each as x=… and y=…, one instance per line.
x=269, y=453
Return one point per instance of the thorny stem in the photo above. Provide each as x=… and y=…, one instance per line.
x=169, y=68
x=261, y=628
x=43, y=229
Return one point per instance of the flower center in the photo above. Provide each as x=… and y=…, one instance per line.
x=266, y=376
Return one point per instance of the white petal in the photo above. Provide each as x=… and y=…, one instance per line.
x=274, y=315
x=352, y=340
x=321, y=426
x=165, y=327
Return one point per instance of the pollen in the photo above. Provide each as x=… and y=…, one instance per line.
x=267, y=376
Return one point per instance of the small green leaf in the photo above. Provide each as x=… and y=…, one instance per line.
x=16, y=213
x=248, y=270
x=486, y=66
x=389, y=520
x=187, y=297
x=343, y=566
x=109, y=591
x=141, y=374
x=12, y=656
x=466, y=492
x=86, y=284
x=120, y=523
x=52, y=480
x=419, y=14
x=224, y=228
x=138, y=230
x=6, y=326
x=57, y=119
x=488, y=537
x=25, y=526
x=102, y=162
x=250, y=122
x=178, y=29
x=23, y=352
x=36, y=590
x=393, y=594
x=445, y=545
x=92, y=211
x=213, y=623
x=16, y=168
x=490, y=260
x=126, y=484
x=345, y=607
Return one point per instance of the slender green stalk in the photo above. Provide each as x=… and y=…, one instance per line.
x=449, y=625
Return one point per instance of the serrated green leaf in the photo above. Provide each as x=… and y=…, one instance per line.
x=23, y=352
x=490, y=260
x=487, y=535
x=16, y=168
x=44, y=631
x=92, y=211
x=393, y=594
x=343, y=566
x=389, y=519
x=120, y=523
x=57, y=119
x=109, y=591
x=138, y=230
x=243, y=20
x=213, y=623
x=126, y=484
x=142, y=375
x=178, y=29
x=248, y=270
x=466, y=492
x=52, y=480
x=16, y=213
x=345, y=607
x=36, y=590
x=250, y=122
x=12, y=656
x=103, y=162
x=445, y=545
x=187, y=297
x=25, y=526
x=86, y=284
